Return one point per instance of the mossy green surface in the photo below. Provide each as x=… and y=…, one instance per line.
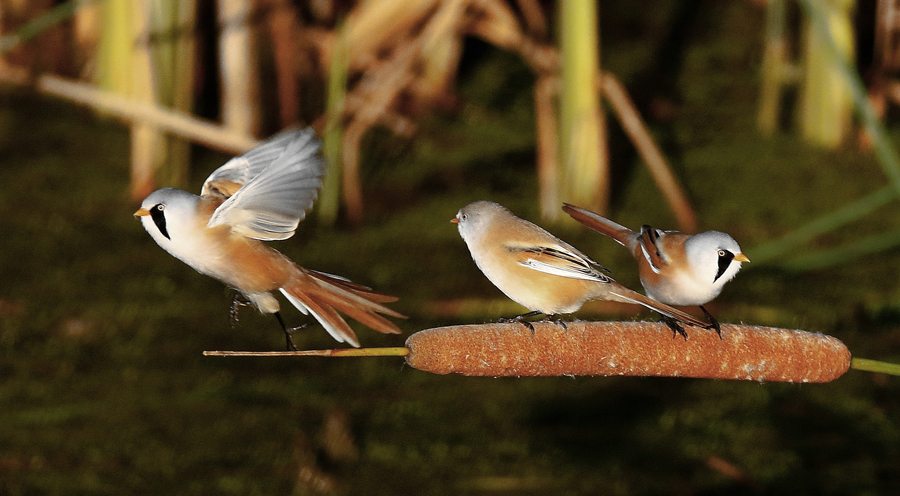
x=104, y=389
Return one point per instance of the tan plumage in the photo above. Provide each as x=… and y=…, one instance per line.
x=262, y=195
x=538, y=270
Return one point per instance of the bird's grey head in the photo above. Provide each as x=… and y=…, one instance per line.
x=472, y=218
x=715, y=255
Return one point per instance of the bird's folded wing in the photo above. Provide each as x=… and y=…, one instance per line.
x=650, y=249
x=560, y=261
x=270, y=188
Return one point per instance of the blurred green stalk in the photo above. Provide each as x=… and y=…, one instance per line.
x=333, y=136
x=171, y=44
x=824, y=110
x=582, y=135
x=114, y=61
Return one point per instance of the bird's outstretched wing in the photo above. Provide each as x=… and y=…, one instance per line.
x=270, y=188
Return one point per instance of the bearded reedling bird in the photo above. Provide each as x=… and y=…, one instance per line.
x=262, y=196
x=675, y=268
x=539, y=271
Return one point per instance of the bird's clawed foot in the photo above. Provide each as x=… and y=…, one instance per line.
x=713, y=323
x=675, y=326
x=559, y=322
x=236, y=303
x=289, y=341
x=287, y=332
x=520, y=319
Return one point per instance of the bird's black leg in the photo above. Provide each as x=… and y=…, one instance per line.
x=521, y=320
x=713, y=323
x=287, y=332
x=236, y=303
x=675, y=326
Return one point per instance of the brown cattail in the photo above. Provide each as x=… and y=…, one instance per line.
x=616, y=348
x=629, y=348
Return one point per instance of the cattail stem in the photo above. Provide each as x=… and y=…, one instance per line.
x=875, y=366
x=346, y=352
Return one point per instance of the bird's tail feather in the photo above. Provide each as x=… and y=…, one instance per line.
x=359, y=288
x=323, y=295
x=600, y=224
x=635, y=297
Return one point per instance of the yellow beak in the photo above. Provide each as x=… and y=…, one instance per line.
x=740, y=257
x=454, y=220
x=142, y=212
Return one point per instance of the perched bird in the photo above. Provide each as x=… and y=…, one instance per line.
x=675, y=268
x=261, y=196
x=536, y=269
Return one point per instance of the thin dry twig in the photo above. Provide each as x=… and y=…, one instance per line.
x=634, y=126
x=200, y=130
x=343, y=352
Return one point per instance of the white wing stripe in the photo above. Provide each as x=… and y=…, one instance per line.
x=560, y=271
x=654, y=268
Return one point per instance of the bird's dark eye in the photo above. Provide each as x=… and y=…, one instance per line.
x=160, y=207
x=721, y=253
x=464, y=217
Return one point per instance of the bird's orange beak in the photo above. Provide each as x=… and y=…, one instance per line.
x=142, y=212
x=740, y=257
x=454, y=220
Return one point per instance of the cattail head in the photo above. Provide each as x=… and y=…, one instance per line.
x=629, y=348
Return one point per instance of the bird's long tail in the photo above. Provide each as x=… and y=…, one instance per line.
x=600, y=224
x=324, y=295
x=637, y=298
